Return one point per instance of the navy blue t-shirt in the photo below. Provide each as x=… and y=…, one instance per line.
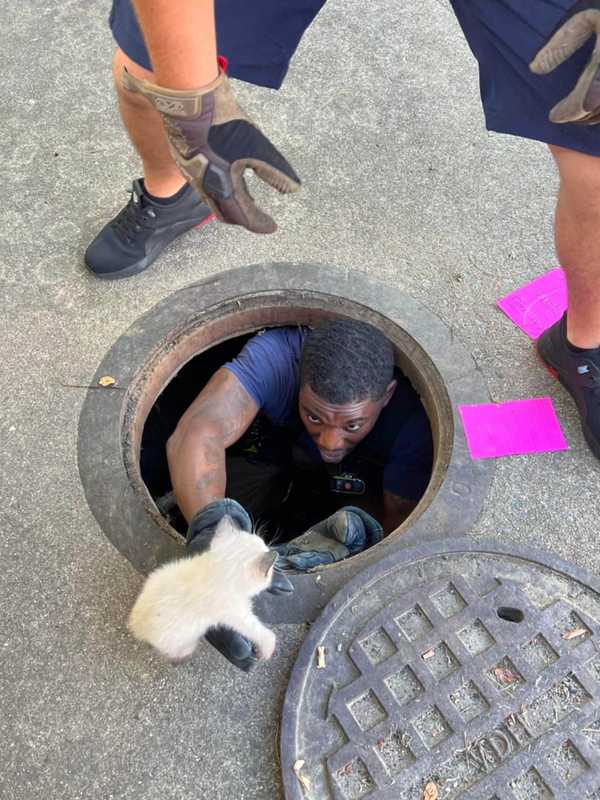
x=268, y=367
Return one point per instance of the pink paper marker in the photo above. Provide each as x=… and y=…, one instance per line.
x=513, y=428
x=537, y=305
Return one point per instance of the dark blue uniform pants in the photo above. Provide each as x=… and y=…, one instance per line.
x=259, y=38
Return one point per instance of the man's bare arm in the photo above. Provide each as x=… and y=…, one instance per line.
x=216, y=419
x=180, y=36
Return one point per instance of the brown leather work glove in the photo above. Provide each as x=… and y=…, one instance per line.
x=582, y=105
x=212, y=142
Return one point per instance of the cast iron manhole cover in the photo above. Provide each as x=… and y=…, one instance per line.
x=457, y=669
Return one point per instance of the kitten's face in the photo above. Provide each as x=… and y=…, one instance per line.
x=248, y=551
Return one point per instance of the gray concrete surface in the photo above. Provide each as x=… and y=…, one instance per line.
x=380, y=116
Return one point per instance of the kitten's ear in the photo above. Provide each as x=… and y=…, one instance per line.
x=265, y=561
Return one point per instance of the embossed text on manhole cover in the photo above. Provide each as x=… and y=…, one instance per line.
x=460, y=668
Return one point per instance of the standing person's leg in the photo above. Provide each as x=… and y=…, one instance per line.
x=162, y=206
x=577, y=233
x=505, y=36
x=144, y=125
x=258, y=39
x=571, y=347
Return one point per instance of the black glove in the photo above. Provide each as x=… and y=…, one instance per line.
x=235, y=647
x=582, y=105
x=345, y=533
x=212, y=142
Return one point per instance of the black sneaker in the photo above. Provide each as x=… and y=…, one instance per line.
x=579, y=373
x=140, y=232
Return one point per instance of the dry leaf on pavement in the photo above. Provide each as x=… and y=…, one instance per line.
x=505, y=675
x=431, y=791
x=575, y=633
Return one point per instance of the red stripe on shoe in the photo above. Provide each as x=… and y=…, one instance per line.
x=206, y=220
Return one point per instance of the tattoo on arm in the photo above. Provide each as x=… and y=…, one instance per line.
x=196, y=452
x=225, y=406
x=213, y=464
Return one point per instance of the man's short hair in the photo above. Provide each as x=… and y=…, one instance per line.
x=346, y=361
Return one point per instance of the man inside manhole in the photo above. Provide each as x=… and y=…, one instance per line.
x=314, y=433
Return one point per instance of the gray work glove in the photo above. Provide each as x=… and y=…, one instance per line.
x=347, y=532
x=236, y=648
x=212, y=142
x=582, y=105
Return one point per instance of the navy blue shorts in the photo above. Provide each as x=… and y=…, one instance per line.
x=259, y=38
x=504, y=36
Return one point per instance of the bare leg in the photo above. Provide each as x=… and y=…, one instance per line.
x=182, y=40
x=162, y=178
x=577, y=234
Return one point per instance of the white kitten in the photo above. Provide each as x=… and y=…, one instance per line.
x=181, y=600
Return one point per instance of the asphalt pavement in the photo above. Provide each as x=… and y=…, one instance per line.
x=380, y=116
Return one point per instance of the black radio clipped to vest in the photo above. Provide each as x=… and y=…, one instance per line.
x=347, y=484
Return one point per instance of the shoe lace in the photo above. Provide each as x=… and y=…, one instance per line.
x=135, y=217
x=589, y=376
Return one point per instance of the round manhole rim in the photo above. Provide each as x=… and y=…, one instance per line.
x=127, y=517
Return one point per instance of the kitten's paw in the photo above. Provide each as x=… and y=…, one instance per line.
x=178, y=653
x=177, y=659
x=266, y=646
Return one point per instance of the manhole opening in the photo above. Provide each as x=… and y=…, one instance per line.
x=179, y=368
x=166, y=412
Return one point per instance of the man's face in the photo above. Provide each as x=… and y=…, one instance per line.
x=336, y=430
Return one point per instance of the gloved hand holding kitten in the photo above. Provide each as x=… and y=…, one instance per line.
x=210, y=592
x=235, y=647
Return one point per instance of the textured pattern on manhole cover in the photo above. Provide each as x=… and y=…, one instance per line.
x=458, y=664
